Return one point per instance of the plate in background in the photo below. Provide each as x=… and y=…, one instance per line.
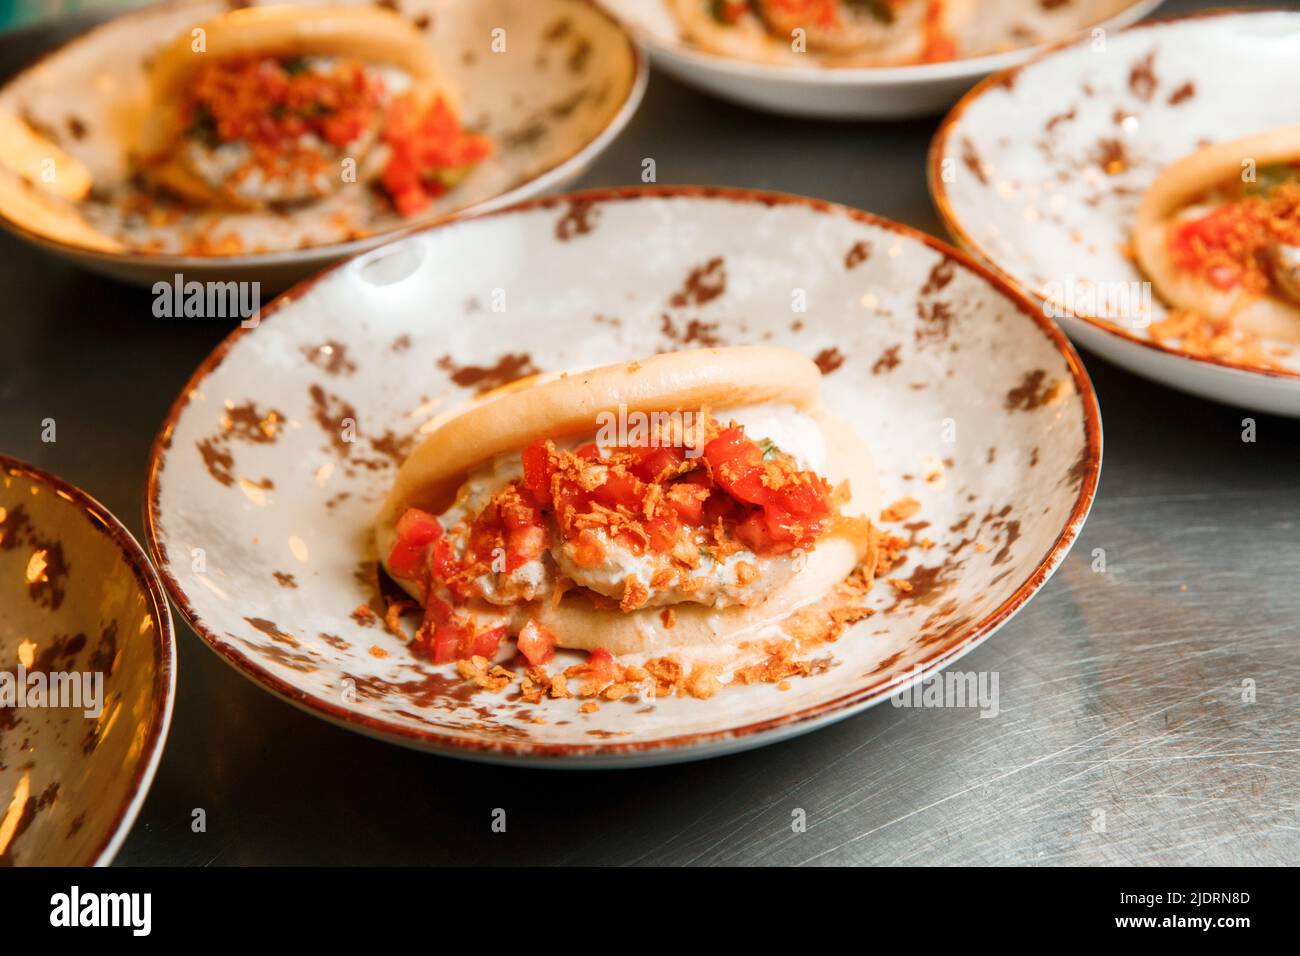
x=1046, y=165
x=865, y=93
x=568, y=81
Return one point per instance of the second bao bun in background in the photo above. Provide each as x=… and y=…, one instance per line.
x=366, y=35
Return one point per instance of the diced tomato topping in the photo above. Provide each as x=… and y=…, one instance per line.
x=940, y=45
x=730, y=11
x=752, y=532
x=806, y=499
x=446, y=643
x=526, y=536
x=418, y=527
x=429, y=151
x=620, y=489
x=1230, y=247
x=485, y=643
x=416, y=530
x=687, y=497
x=538, y=471
x=641, y=498
x=269, y=102
x=662, y=529
x=440, y=635
x=737, y=465
x=536, y=643
x=657, y=463
x=449, y=635
x=442, y=560
x=510, y=527
x=791, y=513
x=600, y=665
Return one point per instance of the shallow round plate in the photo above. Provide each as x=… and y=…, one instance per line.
x=870, y=93
x=567, y=80
x=259, y=509
x=78, y=598
x=1040, y=170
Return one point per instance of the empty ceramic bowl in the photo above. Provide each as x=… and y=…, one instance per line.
x=87, y=673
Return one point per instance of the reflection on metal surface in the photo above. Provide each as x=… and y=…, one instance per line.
x=12, y=817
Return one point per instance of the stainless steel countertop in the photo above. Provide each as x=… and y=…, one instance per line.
x=1121, y=692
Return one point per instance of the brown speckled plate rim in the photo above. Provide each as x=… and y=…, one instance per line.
x=104, y=522
x=571, y=165
x=516, y=751
x=947, y=70
x=1007, y=78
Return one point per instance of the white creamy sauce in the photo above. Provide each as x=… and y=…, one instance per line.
x=719, y=580
x=531, y=580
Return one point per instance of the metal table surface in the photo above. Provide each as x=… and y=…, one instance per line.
x=1121, y=692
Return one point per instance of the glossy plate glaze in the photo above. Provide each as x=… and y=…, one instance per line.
x=552, y=92
x=1040, y=170
x=77, y=597
x=268, y=472
x=1004, y=33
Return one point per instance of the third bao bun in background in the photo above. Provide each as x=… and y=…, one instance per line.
x=688, y=498
x=883, y=33
x=1218, y=233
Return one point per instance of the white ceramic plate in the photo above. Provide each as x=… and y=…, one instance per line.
x=78, y=598
x=260, y=517
x=873, y=93
x=1026, y=187
x=566, y=83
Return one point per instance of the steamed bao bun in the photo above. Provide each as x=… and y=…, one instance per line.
x=567, y=406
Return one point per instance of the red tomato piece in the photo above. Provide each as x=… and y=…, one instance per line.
x=536, y=643
x=687, y=498
x=486, y=643
x=416, y=529
x=737, y=465
x=447, y=641
x=657, y=463
x=662, y=530
x=538, y=471
x=600, y=664
x=623, y=489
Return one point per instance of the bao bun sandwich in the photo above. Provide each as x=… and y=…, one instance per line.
x=277, y=105
x=846, y=33
x=692, y=498
x=1218, y=234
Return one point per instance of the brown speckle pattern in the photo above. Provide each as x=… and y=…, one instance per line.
x=508, y=368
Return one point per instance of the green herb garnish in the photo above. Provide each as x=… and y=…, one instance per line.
x=204, y=127
x=882, y=10
x=770, y=449
x=1269, y=177
x=294, y=65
